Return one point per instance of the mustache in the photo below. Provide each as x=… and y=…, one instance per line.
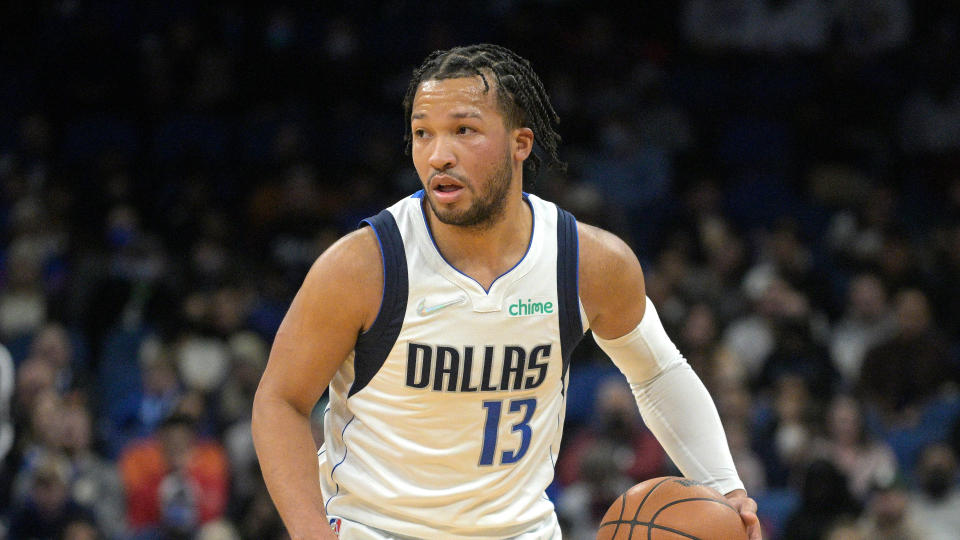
x=447, y=173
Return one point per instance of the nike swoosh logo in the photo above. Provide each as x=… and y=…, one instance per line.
x=424, y=309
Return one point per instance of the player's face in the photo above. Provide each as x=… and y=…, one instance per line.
x=462, y=151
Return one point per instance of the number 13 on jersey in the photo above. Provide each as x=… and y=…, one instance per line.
x=491, y=430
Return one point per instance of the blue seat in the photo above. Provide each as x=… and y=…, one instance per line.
x=584, y=381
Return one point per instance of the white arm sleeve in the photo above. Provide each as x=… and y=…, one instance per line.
x=674, y=402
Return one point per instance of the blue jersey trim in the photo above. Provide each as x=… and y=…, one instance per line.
x=326, y=505
x=568, y=285
x=334, y=469
x=375, y=344
x=345, y=449
x=533, y=226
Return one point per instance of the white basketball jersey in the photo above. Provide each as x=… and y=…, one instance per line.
x=445, y=422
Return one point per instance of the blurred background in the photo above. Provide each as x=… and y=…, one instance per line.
x=788, y=172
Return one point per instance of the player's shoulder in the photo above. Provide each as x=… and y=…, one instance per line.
x=356, y=251
x=602, y=251
x=348, y=277
x=611, y=282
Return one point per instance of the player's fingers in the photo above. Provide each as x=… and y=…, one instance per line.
x=747, y=508
x=752, y=523
x=748, y=505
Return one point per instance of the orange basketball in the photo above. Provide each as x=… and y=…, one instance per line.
x=671, y=508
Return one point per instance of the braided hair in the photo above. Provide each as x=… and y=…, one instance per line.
x=520, y=94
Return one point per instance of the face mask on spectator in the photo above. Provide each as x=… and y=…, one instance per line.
x=936, y=482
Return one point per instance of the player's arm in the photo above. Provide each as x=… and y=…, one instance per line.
x=672, y=399
x=339, y=298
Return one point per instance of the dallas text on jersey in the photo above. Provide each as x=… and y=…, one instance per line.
x=444, y=368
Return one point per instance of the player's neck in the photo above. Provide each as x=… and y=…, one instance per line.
x=488, y=252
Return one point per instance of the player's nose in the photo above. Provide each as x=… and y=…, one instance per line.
x=442, y=156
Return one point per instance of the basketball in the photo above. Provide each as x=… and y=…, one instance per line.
x=671, y=508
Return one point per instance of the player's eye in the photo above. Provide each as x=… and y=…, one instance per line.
x=419, y=133
x=463, y=130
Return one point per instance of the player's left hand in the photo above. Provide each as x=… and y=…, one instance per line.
x=748, y=512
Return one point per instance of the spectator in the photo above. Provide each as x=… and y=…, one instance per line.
x=748, y=463
x=42, y=438
x=81, y=529
x=619, y=425
x=249, y=357
x=95, y=482
x=700, y=230
x=218, y=530
x=248, y=353
x=257, y=517
x=202, y=363
x=867, y=322
x=751, y=337
x=856, y=233
x=824, y=501
x=23, y=303
x=936, y=501
x=785, y=254
x=899, y=262
x=698, y=341
x=52, y=343
x=899, y=376
x=784, y=432
x=799, y=352
x=49, y=508
x=888, y=516
x=847, y=443
x=173, y=480
x=34, y=375
x=668, y=285
x=142, y=409
x=845, y=529
x=34, y=385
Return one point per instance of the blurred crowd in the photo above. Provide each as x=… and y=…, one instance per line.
x=788, y=172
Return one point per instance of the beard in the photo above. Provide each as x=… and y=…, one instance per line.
x=487, y=207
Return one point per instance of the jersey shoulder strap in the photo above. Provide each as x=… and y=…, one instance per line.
x=568, y=285
x=375, y=344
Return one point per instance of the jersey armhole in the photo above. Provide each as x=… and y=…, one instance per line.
x=568, y=285
x=375, y=344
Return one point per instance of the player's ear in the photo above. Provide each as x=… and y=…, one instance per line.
x=522, y=143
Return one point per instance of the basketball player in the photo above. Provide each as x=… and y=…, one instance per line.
x=444, y=329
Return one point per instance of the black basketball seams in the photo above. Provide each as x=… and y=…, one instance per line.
x=623, y=506
x=642, y=501
x=650, y=527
